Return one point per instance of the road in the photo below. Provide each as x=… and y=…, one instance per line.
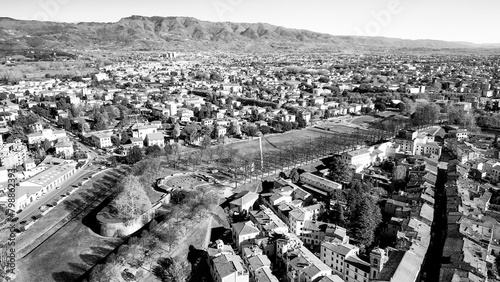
x=55, y=194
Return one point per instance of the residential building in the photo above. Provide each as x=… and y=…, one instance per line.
x=143, y=131
x=244, y=232
x=101, y=139
x=155, y=139
x=13, y=154
x=228, y=268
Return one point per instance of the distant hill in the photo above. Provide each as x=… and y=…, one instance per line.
x=185, y=33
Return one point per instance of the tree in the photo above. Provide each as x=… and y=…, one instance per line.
x=190, y=129
x=101, y=273
x=287, y=126
x=410, y=106
x=154, y=151
x=3, y=96
x=337, y=215
x=425, y=114
x=294, y=176
x=169, y=236
x=176, y=132
x=460, y=117
x=380, y=106
x=234, y=129
x=148, y=171
x=265, y=129
x=171, y=270
x=115, y=141
x=206, y=141
x=340, y=171
x=65, y=123
x=101, y=122
x=46, y=145
x=402, y=107
x=131, y=201
x=124, y=138
x=252, y=130
x=365, y=218
x=134, y=155
x=399, y=172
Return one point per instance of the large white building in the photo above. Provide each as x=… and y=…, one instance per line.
x=417, y=144
x=46, y=134
x=143, y=131
x=155, y=139
x=101, y=139
x=43, y=182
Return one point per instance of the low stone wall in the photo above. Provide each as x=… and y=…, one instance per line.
x=111, y=227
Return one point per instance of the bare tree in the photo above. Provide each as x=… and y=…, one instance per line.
x=132, y=200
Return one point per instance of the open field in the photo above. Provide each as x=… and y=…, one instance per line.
x=342, y=128
x=75, y=247
x=184, y=182
x=66, y=255
x=276, y=142
x=364, y=120
x=51, y=221
x=72, y=248
x=41, y=73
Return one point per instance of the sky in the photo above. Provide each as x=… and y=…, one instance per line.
x=473, y=21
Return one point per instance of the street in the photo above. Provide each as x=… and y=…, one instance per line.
x=54, y=195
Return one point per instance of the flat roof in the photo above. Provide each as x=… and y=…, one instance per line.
x=101, y=134
x=43, y=179
x=321, y=180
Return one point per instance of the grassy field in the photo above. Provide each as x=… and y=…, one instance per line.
x=184, y=182
x=337, y=128
x=364, y=120
x=73, y=248
x=276, y=142
x=66, y=255
x=41, y=73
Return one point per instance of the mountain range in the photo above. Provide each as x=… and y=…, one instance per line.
x=186, y=33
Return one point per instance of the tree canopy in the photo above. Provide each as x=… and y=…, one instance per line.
x=134, y=155
x=361, y=216
x=131, y=201
x=339, y=170
x=425, y=114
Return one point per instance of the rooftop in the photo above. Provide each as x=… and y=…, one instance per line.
x=43, y=179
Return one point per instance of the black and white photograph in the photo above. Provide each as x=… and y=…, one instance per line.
x=249, y=141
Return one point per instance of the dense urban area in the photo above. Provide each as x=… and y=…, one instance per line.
x=227, y=166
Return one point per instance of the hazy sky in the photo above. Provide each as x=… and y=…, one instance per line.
x=453, y=20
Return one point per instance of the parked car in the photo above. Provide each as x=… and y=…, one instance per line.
x=19, y=211
x=57, y=187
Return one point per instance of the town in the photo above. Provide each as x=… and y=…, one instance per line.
x=168, y=166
